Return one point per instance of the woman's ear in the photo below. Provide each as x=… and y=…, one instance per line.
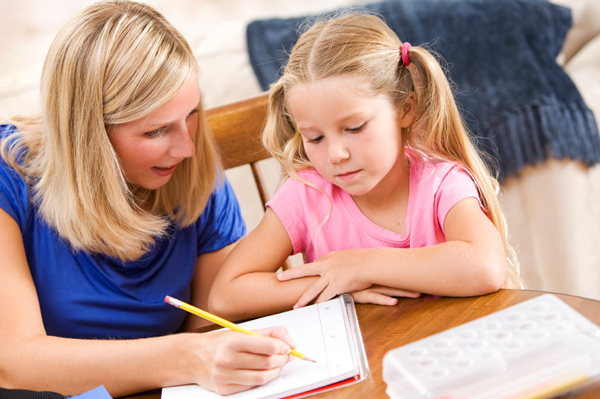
x=407, y=110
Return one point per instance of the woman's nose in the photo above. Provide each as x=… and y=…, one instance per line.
x=183, y=144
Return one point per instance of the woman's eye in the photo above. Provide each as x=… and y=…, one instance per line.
x=155, y=133
x=194, y=111
x=356, y=129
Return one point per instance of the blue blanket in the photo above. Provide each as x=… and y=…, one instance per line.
x=520, y=105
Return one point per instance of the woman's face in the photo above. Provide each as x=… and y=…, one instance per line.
x=150, y=148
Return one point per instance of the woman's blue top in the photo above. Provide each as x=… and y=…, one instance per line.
x=84, y=295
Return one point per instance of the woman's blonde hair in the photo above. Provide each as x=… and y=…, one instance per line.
x=362, y=45
x=115, y=62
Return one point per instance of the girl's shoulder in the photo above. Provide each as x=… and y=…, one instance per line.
x=311, y=175
x=426, y=163
x=307, y=186
x=435, y=171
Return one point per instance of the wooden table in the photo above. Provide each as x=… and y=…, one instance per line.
x=385, y=328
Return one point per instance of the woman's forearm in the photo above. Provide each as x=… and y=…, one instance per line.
x=73, y=366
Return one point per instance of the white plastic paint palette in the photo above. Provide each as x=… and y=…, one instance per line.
x=535, y=349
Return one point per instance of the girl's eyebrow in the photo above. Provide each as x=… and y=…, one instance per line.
x=339, y=120
x=356, y=114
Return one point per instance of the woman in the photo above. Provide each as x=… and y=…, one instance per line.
x=110, y=199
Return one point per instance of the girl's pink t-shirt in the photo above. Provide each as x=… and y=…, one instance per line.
x=320, y=222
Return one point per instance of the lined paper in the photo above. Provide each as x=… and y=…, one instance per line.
x=320, y=332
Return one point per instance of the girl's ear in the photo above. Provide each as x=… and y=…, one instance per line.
x=407, y=111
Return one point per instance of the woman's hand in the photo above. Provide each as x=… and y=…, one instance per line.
x=235, y=362
x=342, y=272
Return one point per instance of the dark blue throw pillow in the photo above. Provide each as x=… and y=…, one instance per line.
x=520, y=105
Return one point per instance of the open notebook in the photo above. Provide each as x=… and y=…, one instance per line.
x=327, y=332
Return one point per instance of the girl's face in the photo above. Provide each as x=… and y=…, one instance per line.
x=150, y=148
x=351, y=138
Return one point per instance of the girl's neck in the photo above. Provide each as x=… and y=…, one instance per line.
x=387, y=204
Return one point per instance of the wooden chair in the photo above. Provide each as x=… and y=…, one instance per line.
x=237, y=128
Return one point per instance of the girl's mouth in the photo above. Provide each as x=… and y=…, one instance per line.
x=348, y=175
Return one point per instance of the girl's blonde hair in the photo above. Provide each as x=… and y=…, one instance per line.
x=363, y=46
x=115, y=62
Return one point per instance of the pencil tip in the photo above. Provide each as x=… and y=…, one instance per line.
x=308, y=359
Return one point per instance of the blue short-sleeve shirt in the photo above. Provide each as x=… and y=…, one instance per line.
x=86, y=295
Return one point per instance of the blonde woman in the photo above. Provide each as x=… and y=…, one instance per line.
x=386, y=194
x=110, y=200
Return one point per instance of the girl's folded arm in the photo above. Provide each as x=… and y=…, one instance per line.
x=470, y=262
x=246, y=285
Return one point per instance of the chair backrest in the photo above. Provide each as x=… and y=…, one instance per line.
x=237, y=128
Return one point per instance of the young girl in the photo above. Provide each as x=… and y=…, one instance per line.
x=387, y=196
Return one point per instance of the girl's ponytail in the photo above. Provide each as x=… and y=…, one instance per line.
x=440, y=132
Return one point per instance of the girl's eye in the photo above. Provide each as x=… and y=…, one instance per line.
x=314, y=139
x=357, y=129
x=155, y=133
x=194, y=111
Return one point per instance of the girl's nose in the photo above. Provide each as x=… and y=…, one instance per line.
x=337, y=151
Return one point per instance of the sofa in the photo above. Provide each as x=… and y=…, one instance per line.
x=552, y=207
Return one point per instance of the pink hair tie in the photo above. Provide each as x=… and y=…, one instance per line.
x=405, y=58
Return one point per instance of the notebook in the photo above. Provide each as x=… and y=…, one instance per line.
x=327, y=332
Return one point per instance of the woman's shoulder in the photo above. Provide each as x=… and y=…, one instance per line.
x=6, y=129
x=9, y=136
x=14, y=197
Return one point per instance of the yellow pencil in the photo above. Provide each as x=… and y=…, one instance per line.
x=222, y=322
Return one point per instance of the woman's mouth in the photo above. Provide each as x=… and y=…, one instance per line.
x=164, y=171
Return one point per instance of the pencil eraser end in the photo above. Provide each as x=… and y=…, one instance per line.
x=167, y=299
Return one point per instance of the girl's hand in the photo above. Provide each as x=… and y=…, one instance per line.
x=235, y=362
x=340, y=272
x=380, y=295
